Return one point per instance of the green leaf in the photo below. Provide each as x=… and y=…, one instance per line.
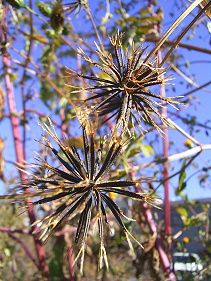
x=182, y=211
x=16, y=3
x=182, y=184
x=145, y=11
x=194, y=221
x=44, y=9
x=57, y=17
x=56, y=261
x=147, y=150
x=20, y=4
x=46, y=93
x=136, y=146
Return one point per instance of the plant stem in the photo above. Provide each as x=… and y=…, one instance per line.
x=14, y=230
x=181, y=45
x=183, y=132
x=70, y=258
x=153, y=228
x=167, y=207
x=18, y=145
x=163, y=256
x=89, y=14
x=19, y=151
x=182, y=34
x=23, y=80
x=197, y=89
x=171, y=30
x=25, y=248
x=181, y=155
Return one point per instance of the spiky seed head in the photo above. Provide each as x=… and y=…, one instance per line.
x=80, y=187
x=75, y=6
x=126, y=90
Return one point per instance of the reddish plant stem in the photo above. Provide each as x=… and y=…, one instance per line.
x=158, y=244
x=64, y=125
x=23, y=80
x=70, y=259
x=14, y=230
x=163, y=256
x=25, y=248
x=167, y=207
x=18, y=145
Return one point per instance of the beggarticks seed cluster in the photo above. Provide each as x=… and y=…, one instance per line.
x=80, y=184
x=125, y=93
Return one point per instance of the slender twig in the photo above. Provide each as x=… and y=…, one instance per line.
x=14, y=230
x=171, y=30
x=20, y=156
x=25, y=248
x=89, y=14
x=182, y=34
x=197, y=89
x=190, y=152
x=55, y=87
x=178, y=172
x=183, y=75
x=181, y=45
x=183, y=132
x=42, y=76
x=182, y=155
x=64, y=125
x=186, y=120
x=174, y=157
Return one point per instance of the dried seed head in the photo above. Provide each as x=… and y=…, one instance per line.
x=125, y=92
x=75, y=6
x=80, y=187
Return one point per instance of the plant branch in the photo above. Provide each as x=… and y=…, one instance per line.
x=23, y=80
x=14, y=230
x=18, y=146
x=165, y=140
x=182, y=155
x=181, y=45
x=153, y=228
x=172, y=28
x=182, y=34
x=186, y=121
x=25, y=248
x=197, y=89
x=178, y=172
x=179, y=129
x=89, y=14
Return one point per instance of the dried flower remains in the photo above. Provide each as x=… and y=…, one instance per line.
x=75, y=6
x=123, y=88
x=80, y=185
